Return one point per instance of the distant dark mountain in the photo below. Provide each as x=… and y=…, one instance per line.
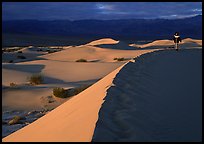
x=127, y=30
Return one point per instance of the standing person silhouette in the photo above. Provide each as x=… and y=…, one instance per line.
x=176, y=39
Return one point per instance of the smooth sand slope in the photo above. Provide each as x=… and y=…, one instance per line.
x=92, y=54
x=55, y=73
x=157, y=98
x=103, y=41
x=75, y=119
x=72, y=121
x=59, y=69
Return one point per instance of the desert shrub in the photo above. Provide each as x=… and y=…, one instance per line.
x=13, y=84
x=20, y=52
x=11, y=49
x=52, y=51
x=77, y=90
x=81, y=60
x=39, y=50
x=60, y=92
x=15, y=120
x=21, y=57
x=36, y=79
x=11, y=61
x=119, y=59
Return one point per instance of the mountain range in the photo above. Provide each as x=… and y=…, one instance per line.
x=129, y=30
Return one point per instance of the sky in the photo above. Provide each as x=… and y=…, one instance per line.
x=99, y=10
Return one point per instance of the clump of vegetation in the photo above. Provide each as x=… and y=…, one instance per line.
x=39, y=50
x=15, y=120
x=11, y=49
x=36, y=79
x=11, y=61
x=81, y=60
x=62, y=93
x=13, y=84
x=119, y=59
x=21, y=57
x=77, y=90
x=52, y=51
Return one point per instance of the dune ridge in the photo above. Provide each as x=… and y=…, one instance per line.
x=79, y=113
x=91, y=53
x=103, y=41
x=186, y=43
x=75, y=119
x=156, y=99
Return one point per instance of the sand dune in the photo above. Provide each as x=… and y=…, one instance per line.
x=158, y=43
x=72, y=121
x=103, y=41
x=75, y=120
x=64, y=71
x=111, y=44
x=119, y=46
x=29, y=53
x=157, y=98
x=82, y=115
x=59, y=69
x=91, y=53
x=189, y=40
x=55, y=73
x=186, y=43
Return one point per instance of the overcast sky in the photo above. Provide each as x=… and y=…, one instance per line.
x=99, y=10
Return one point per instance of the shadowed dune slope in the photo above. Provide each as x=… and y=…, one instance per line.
x=119, y=46
x=157, y=98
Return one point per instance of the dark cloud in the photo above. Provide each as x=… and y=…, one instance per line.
x=98, y=10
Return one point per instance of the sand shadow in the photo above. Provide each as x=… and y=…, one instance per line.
x=34, y=68
x=118, y=46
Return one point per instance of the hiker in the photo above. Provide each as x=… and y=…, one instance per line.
x=176, y=39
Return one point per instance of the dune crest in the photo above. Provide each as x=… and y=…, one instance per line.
x=92, y=53
x=103, y=41
x=156, y=99
x=73, y=121
x=188, y=42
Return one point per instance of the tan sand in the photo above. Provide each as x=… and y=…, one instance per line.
x=103, y=41
x=92, y=53
x=186, y=43
x=156, y=99
x=59, y=70
x=75, y=119
x=72, y=121
x=55, y=73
